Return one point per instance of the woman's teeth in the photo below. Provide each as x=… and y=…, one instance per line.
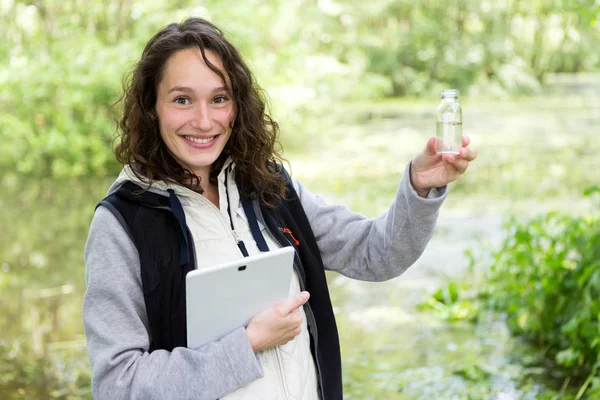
x=199, y=140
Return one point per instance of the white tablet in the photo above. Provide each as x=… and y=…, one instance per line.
x=222, y=298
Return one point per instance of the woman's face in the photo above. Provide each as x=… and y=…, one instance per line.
x=194, y=110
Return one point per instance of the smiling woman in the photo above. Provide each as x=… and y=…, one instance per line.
x=195, y=112
x=191, y=85
x=202, y=184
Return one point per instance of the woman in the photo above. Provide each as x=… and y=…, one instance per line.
x=198, y=150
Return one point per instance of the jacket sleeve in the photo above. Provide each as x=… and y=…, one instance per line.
x=116, y=328
x=373, y=249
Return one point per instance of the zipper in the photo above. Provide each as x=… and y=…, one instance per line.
x=280, y=372
x=310, y=318
x=232, y=232
x=193, y=247
x=240, y=243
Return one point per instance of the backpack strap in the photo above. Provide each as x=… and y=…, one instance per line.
x=111, y=203
x=253, y=222
x=125, y=201
x=250, y=212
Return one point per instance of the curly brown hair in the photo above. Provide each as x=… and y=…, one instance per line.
x=253, y=144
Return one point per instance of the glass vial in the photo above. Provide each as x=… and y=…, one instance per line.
x=449, y=123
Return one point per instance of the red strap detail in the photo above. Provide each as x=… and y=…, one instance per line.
x=286, y=230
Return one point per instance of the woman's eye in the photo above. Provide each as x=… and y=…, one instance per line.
x=220, y=99
x=184, y=101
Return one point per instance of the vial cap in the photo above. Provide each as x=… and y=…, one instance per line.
x=449, y=93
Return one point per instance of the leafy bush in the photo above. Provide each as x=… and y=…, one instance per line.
x=545, y=277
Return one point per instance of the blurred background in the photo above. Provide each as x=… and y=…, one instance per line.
x=503, y=304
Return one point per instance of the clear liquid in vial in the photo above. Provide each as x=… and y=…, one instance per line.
x=449, y=137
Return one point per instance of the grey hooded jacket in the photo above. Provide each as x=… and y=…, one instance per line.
x=115, y=318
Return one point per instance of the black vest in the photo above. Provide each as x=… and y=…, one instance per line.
x=156, y=225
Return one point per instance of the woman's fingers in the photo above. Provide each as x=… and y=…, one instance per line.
x=459, y=163
x=293, y=303
x=430, y=147
x=468, y=154
x=466, y=141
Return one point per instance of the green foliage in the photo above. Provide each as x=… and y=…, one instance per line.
x=63, y=61
x=546, y=278
x=452, y=303
x=489, y=47
x=473, y=372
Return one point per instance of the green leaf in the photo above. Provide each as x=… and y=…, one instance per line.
x=569, y=357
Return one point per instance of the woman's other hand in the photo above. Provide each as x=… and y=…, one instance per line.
x=431, y=170
x=277, y=325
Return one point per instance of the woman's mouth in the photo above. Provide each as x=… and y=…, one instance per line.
x=201, y=143
x=200, y=140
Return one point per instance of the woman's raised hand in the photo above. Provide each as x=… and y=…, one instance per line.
x=431, y=170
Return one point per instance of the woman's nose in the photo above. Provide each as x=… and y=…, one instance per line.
x=202, y=119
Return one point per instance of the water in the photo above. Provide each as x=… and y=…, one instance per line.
x=449, y=136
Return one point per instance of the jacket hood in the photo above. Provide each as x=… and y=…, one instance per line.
x=159, y=187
